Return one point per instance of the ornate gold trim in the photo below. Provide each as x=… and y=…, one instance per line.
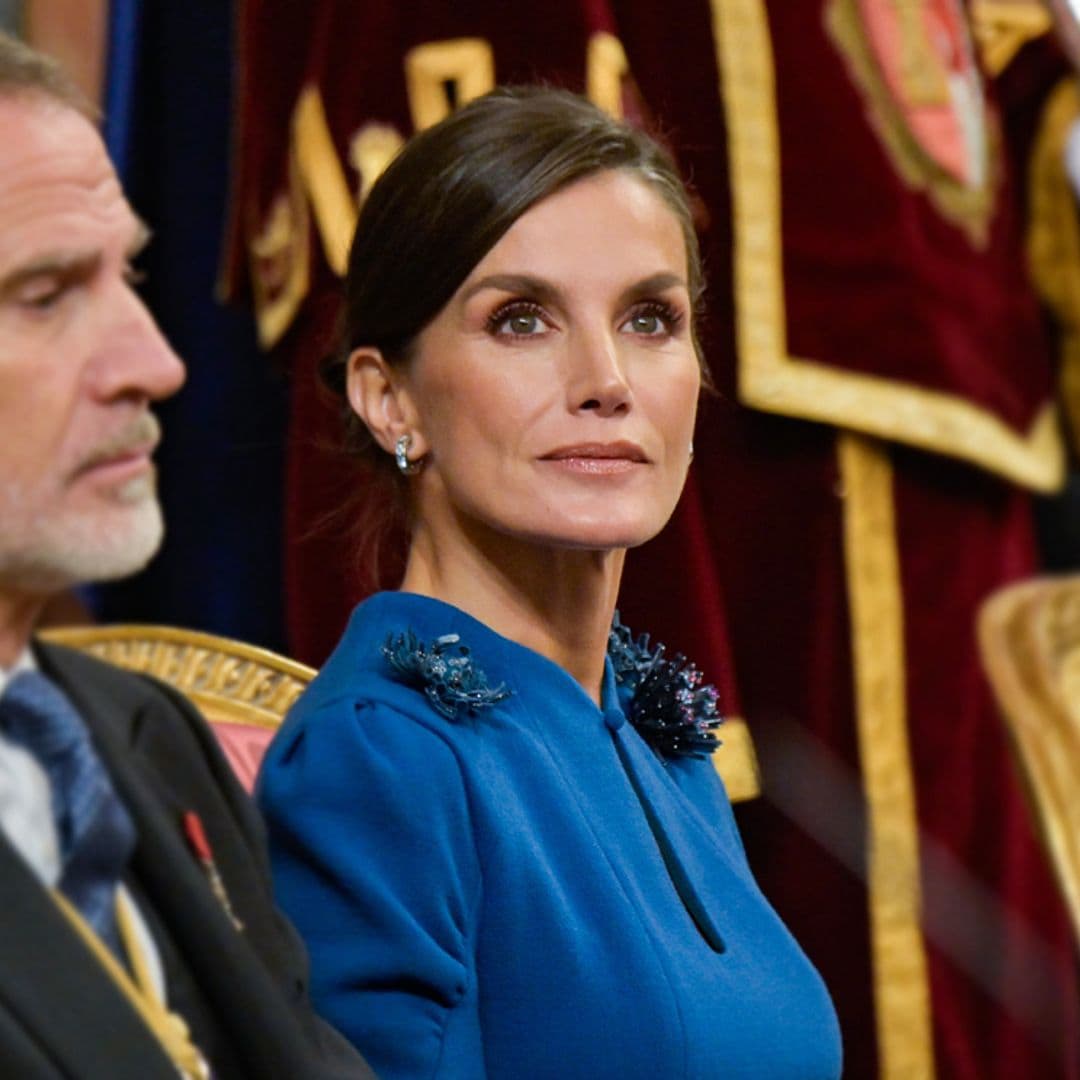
x=774, y=381
x=228, y=680
x=1003, y=27
x=901, y=983
x=736, y=761
x=468, y=63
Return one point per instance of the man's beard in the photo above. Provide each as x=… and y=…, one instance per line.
x=43, y=550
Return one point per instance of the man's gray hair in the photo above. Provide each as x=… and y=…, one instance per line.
x=25, y=71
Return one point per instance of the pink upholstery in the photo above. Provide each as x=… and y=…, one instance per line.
x=244, y=746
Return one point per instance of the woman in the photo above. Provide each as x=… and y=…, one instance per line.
x=493, y=815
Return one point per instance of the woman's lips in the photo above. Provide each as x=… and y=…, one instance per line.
x=598, y=459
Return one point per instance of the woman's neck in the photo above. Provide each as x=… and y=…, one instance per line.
x=556, y=601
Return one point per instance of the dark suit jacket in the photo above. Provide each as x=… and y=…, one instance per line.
x=243, y=993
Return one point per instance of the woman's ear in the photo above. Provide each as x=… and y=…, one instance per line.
x=379, y=399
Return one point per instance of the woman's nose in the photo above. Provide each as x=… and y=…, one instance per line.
x=597, y=381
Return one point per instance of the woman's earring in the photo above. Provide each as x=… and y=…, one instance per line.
x=401, y=456
x=691, y=451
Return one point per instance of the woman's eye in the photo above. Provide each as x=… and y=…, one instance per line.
x=647, y=324
x=522, y=322
x=654, y=320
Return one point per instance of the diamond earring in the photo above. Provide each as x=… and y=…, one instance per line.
x=401, y=457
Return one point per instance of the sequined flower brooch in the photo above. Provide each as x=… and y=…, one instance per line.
x=669, y=706
x=445, y=672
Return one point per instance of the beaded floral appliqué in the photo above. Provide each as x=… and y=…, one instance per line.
x=670, y=707
x=445, y=672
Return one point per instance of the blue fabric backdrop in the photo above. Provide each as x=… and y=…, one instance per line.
x=168, y=114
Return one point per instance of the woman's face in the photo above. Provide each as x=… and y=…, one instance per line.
x=554, y=396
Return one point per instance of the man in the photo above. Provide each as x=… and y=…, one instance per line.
x=177, y=962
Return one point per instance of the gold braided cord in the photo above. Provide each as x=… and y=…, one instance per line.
x=168, y=1027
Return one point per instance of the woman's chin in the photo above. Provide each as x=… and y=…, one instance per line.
x=598, y=536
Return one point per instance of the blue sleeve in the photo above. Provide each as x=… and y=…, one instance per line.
x=374, y=860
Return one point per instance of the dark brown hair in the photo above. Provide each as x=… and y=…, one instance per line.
x=25, y=71
x=452, y=193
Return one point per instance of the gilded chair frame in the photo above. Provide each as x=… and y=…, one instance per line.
x=1029, y=637
x=230, y=682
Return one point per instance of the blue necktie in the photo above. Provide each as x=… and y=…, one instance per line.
x=97, y=837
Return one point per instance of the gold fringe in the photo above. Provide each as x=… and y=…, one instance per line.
x=901, y=984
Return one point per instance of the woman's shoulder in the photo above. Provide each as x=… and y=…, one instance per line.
x=380, y=697
x=356, y=751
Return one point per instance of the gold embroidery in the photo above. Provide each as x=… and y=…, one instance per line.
x=1003, y=27
x=371, y=149
x=605, y=68
x=901, y=986
x=969, y=206
x=323, y=178
x=467, y=64
x=736, y=761
x=280, y=262
x=1053, y=242
x=772, y=380
x=921, y=70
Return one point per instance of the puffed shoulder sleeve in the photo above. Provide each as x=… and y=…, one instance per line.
x=375, y=861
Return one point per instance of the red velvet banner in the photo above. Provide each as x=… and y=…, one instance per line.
x=862, y=229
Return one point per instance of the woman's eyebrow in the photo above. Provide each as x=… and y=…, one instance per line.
x=533, y=287
x=655, y=283
x=545, y=292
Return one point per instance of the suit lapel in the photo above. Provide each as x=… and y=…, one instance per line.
x=247, y=1006
x=59, y=992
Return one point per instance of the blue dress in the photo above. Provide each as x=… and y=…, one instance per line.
x=527, y=892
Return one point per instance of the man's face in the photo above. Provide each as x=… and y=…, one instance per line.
x=80, y=360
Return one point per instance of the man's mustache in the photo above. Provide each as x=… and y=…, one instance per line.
x=141, y=432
